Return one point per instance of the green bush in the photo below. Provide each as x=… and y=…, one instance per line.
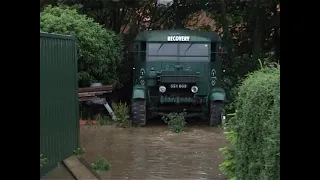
x=43, y=160
x=104, y=120
x=256, y=127
x=121, y=111
x=228, y=166
x=100, y=51
x=100, y=165
x=79, y=151
x=175, y=121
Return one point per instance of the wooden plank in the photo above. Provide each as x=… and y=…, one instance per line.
x=87, y=164
x=91, y=93
x=108, y=88
x=88, y=98
x=79, y=171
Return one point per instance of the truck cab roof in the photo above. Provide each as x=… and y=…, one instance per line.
x=162, y=35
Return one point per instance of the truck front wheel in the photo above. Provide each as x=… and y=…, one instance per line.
x=138, y=112
x=216, y=113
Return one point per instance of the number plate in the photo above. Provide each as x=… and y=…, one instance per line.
x=180, y=86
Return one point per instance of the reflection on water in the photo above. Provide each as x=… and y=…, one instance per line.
x=154, y=153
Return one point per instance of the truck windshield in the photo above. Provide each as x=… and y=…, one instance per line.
x=178, y=49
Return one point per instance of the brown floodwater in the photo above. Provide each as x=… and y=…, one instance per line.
x=155, y=153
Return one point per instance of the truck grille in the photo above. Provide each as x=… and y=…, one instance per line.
x=178, y=79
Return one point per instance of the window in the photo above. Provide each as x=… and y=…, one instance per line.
x=192, y=49
x=185, y=49
x=163, y=49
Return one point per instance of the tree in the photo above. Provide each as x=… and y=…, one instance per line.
x=99, y=50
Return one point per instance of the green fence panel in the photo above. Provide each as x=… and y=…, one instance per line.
x=59, y=111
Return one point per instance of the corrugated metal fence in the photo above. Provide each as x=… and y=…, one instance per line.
x=59, y=113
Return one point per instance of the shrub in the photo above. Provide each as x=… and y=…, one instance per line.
x=43, y=160
x=121, y=111
x=100, y=51
x=175, y=121
x=104, y=120
x=228, y=166
x=256, y=126
x=100, y=165
x=79, y=151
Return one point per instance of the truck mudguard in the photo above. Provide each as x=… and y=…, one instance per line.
x=139, y=92
x=217, y=94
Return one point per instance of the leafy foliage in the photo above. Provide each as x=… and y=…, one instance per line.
x=100, y=165
x=43, y=160
x=104, y=120
x=99, y=50
x=121, y=111
x=79, y=151
x=256, y=125
x=228, y=166
x=176, y=121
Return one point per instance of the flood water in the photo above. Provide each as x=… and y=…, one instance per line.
x=154, y=153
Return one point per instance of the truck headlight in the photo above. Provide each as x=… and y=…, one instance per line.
x=162, y=89
x=194, y=89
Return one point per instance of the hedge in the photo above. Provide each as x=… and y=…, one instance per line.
x=256, y=129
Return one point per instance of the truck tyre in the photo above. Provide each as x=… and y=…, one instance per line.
x=138, y=112
x=216, y=113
